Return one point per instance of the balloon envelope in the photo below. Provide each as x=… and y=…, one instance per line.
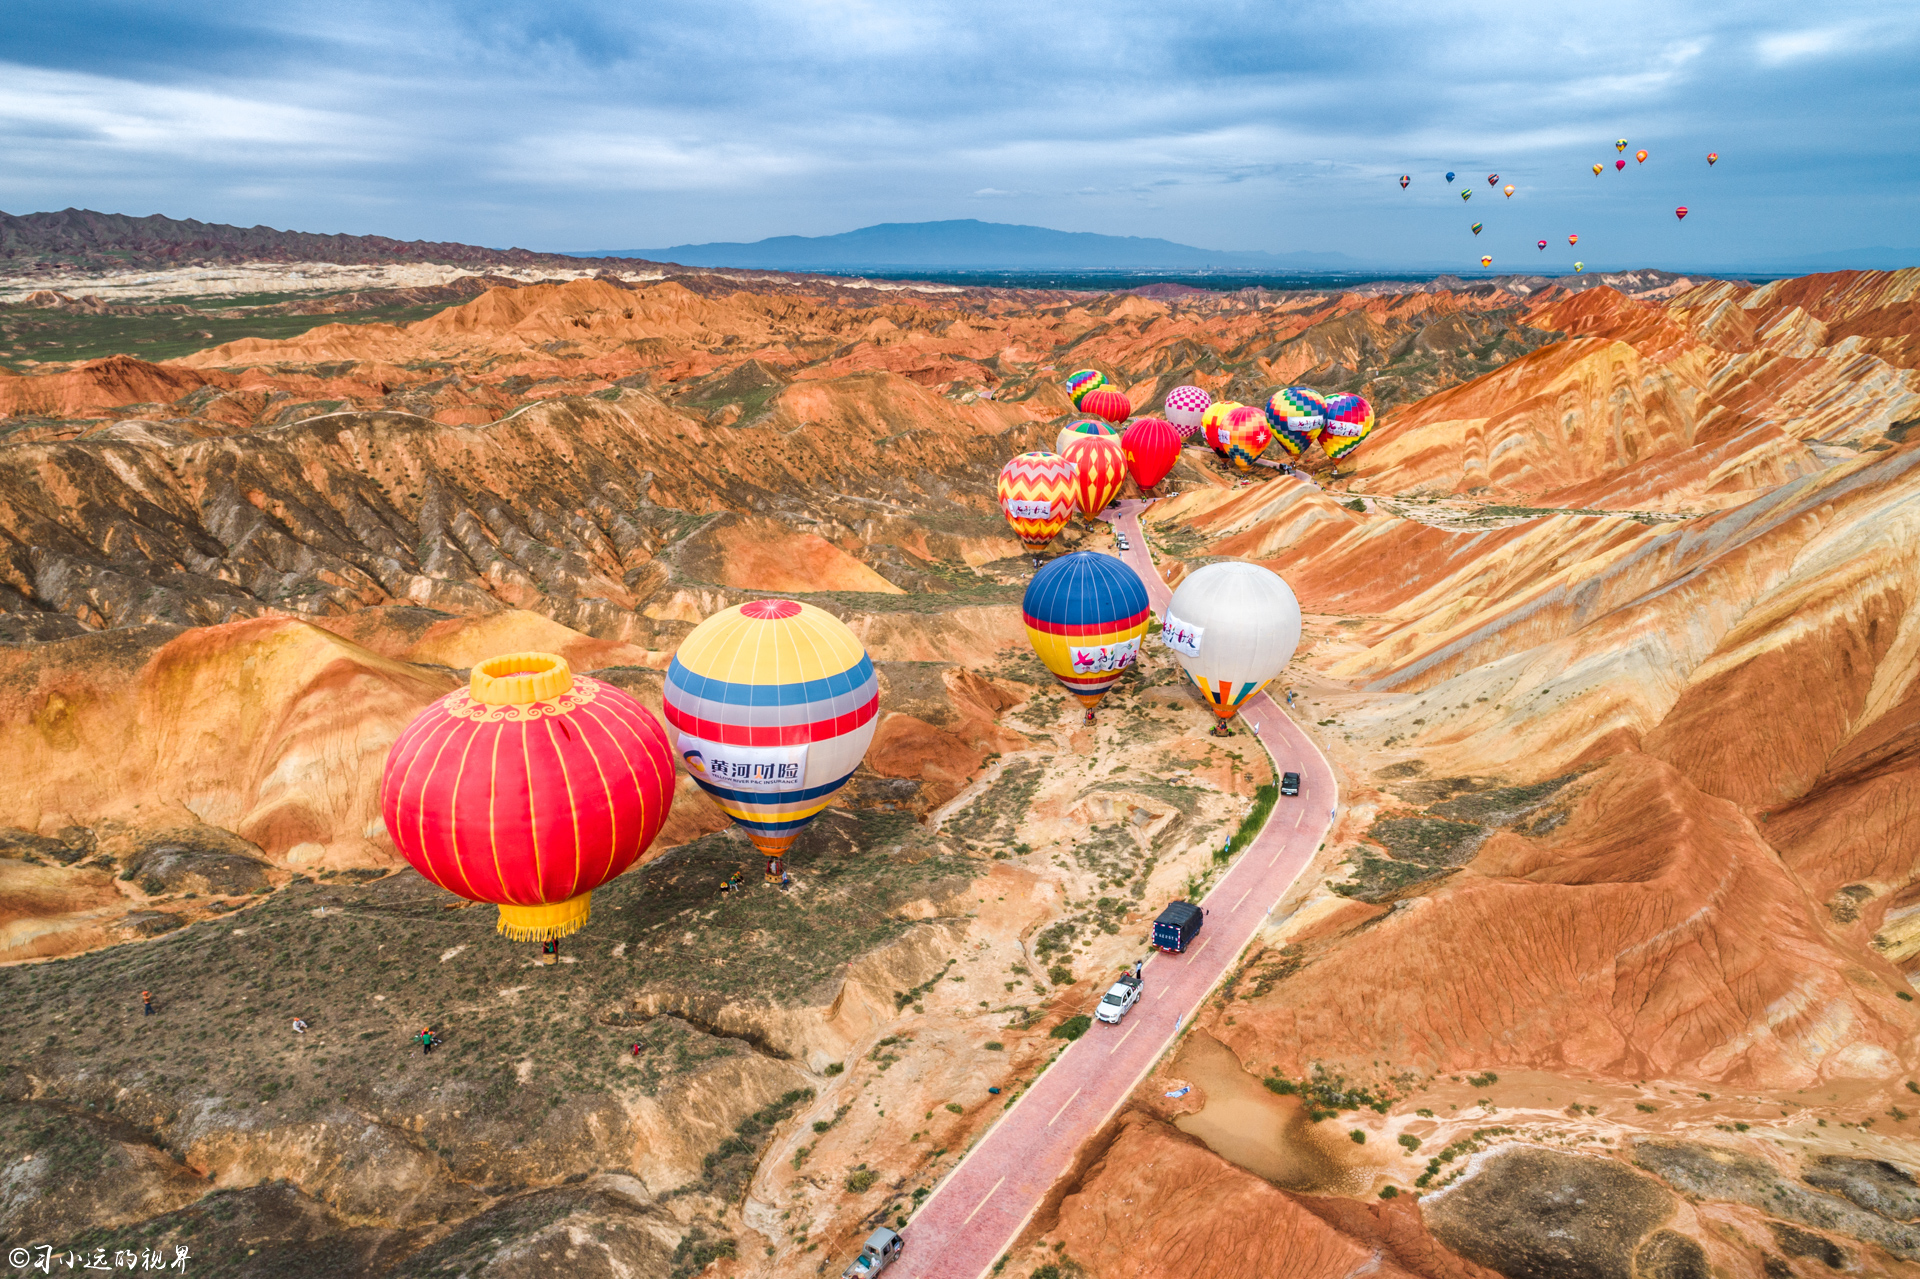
x=1185, y=404
x=1619, y=164
x=1232, y=626
x=1213, y=425
x=1486, y=261
x=1085, y=613
x=1641, y=156
x=1036, y=496
x=1247, y=435
x=1152, y=447
x=1404, y=179
x=1106, y=403
x=1621, y=145
x=1680, y=212
x=1579, y=266
x=1573, y=239
x=1467, y=194
x=1597, y=170
x=1449, y=176
x=1713, y=157
x=1078, y=384
x=1100, y=472
x=1476, y=228
x=775, y=702
x=1074, y=432
x=1493, y=179
x=1349, y=421
x=1507, y=190
x=1543, y=244
x=528, y=788
x=1296, y=414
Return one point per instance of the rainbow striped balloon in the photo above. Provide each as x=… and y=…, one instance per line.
x=1085, y=380
x=1185, y=404
x=775, y=702
x=1296, y=414
x=1074, y=432
x=1085, y=613
x=1349, y=420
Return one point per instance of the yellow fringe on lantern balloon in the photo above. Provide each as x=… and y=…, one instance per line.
x=545, y=923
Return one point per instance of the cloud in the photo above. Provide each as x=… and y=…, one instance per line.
x=987, y=193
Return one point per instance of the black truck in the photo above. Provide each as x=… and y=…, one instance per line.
x=1177, y=926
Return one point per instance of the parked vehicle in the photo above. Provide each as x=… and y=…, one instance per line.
x=881, y=1250
x=1289, y=783
x=1120, y=997
x=1177, y=926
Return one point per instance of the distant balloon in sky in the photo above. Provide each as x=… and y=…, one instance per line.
x=1404, y=179
x=1508, y=191
x=1641, y=156
x=1449, y=175
x=1712, y=156
x=1619, y=164
x=1466, y=193
x=1085, y=380
x=1543, y=246
x=1579, y=266
x=1573, y=239
x=1485, y=260
x=1476, y=228
x=1620, y=145
x=1598, y=169
x=1185, y=404
x=1680, y=212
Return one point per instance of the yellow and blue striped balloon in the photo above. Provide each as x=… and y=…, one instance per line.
x=1085, y=613
x=775, y=703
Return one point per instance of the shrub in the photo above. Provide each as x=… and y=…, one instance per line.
x=1060, y=975
x=1072, y=1028
x=834, y=1069
x=821, y=1125
x=1390, y=1192
x=1358, y=1137
x=1411, y=1142
x=1644, y=1108
x=956, y=1107
x=994, y=1046
x=861, y=1181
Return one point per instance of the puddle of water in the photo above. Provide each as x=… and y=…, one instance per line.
x=1268, y=1135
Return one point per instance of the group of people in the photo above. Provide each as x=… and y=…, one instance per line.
x=777, y=876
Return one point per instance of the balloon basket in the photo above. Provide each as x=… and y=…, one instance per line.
x=1222, y=728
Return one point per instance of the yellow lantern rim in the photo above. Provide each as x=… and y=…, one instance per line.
x=516, y=679
x=547, y=922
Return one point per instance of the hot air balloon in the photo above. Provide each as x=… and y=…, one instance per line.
x=1579, y=266
x=1476, y=228
x=1713, y=157
x=1296, y=415
x=1233, y=626
x=1036, y=496
x=1621, y=145
x=1074, y=432
x=1085, y=613
x=1573, y=239
x=775, y=702
x=1247, y=435
x=1507, y=190
x=1404, y=179
x=1349, y=420
x=1466, y=193
x=1680, y=212
x=1185, y=404
x=529, y=788
x=1106, y=403
x=1619, y=164
x=1100, y=466
x=1211, y=423
x=1078, y=384
x=1449, y=175
x=1641, y=156
x=1543, y=246
x=1493, y=179
x=1597, y=170
x=1486, y=260
x=1152, y=447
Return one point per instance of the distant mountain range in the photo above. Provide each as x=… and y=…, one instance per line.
x=966, y=244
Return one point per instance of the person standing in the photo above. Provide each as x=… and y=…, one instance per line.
x=146, y=1002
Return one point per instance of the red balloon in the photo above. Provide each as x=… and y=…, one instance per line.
x=1619, y=164
x=1543, y=244
x=1107, y=403
x=529, y=788
x=1152, y=447
x=1680, y=212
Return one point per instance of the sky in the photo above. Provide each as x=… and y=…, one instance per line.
x=564, y=126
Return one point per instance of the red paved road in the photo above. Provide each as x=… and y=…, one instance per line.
x=981, y=1206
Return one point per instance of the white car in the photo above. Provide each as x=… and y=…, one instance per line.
x=1120, y=997
x=1121, y=542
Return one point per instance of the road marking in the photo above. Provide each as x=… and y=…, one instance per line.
x=1123, y=1039
x=983, y=1203
x=1064, y=1105
x=1297, y=820
x=1243, y=897
x=1202, y=946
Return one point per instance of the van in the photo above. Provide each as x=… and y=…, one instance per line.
x=1176, y=927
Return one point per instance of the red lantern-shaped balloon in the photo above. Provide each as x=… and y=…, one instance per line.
x=1107, y=403
x=1152, y=447
x=528, y=789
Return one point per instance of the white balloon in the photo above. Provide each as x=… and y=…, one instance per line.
x=1233, y=626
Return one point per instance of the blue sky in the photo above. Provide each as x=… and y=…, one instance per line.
x=1238, y=126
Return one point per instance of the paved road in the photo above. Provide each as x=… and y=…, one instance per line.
x=982, y=1205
